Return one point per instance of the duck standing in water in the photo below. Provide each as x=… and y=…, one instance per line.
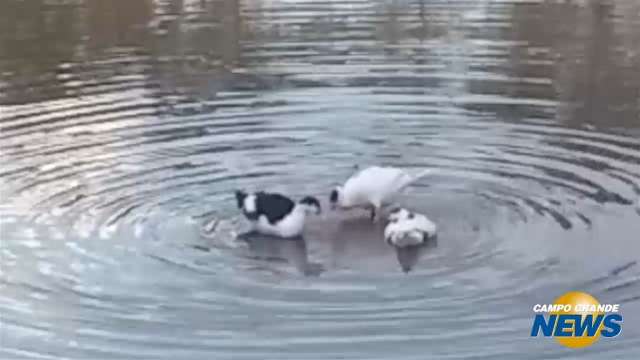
x=371, y=188
x=275, y=214
x=406, y=228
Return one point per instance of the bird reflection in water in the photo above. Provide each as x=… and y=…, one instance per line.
x=341, y=241
x=408, y=256
x=351, y=241
x=290, y=250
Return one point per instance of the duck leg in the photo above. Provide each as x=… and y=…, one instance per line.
x=375, y=212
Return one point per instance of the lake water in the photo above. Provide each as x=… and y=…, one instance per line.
x=125, y=127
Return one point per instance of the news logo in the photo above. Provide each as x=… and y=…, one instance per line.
x=576, y=320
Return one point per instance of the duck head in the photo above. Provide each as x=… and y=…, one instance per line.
x=247, y=204
x=336, y=197
x=311, y=205
x=240, y=196
x=397, y=214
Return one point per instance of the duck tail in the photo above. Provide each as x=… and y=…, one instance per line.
x=411, y=179
x=422, y=173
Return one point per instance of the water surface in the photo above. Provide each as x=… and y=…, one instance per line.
x=125, y=126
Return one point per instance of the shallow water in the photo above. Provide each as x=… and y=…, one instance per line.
x=125, y=126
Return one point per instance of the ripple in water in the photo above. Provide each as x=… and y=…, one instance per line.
x=125, y=127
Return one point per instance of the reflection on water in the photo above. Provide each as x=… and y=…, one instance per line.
x=293, y=251
x=595, y=54
x=126, y=125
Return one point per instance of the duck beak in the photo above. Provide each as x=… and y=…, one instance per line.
x=388, y=241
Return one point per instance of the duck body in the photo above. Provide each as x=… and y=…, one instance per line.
x=406, y=228
x=275, y=214
x=372, y=187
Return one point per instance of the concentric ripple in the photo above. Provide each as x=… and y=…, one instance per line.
x=125, y=126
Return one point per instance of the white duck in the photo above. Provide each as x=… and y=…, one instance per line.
x=406, y=228
x=371, y=188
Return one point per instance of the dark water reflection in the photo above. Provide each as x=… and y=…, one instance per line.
x=126, y=125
